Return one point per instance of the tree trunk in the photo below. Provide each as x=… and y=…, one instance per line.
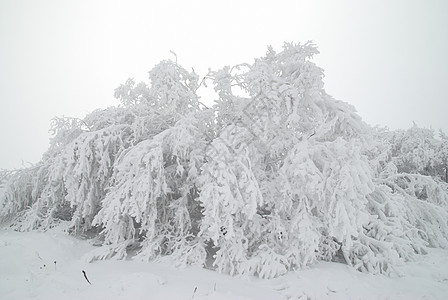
x=446, y=174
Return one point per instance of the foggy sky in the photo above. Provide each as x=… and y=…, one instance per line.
x=61, y=57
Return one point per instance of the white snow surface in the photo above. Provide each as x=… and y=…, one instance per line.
x=28, y=271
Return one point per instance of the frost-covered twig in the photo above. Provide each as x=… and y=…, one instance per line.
x=85, y=276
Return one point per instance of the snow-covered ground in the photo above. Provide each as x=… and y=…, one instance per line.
x=49, y=266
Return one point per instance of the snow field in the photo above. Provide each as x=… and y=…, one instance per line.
x=28, y=271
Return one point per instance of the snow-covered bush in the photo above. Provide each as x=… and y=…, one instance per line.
x=274, y=176
x=417, y=150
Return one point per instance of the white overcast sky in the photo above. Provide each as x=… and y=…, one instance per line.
x=61, y=57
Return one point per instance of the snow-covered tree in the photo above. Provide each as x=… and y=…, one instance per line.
x=229, y=195
x=309, y=163
x=152, y=200
x=274, y=176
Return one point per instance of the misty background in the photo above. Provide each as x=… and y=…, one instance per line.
x=61, y=57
